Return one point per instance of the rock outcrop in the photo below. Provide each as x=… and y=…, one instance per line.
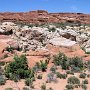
x=41, y=16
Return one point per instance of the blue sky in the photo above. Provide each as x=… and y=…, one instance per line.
x=82, y=6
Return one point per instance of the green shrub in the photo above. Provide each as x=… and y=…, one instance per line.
x=84, y=87
x=76, y=63
x=43, y=65
x=53, y=69
x=18, y=67
x=43, y=86
x=51, y=77
x=29, y=82
x=82, y=75
x=61, y=76
x=61, y=60
x=73, y=80
x=70, y=87
x=85, y=81
x=70, y=72
x=9, y=49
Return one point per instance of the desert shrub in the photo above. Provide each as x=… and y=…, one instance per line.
x=70, y=72
x=43, y=86
x=8, y=88
x=53, y=69
x=76, y=63
x=82, y=75
x=70, y=87
x=85, y=81
x=61, y=60
x=64, y=76
x=39, y=76
x=61, y=76
x=2, y=80
x=50, y=77
x=73, y=80
x=29, y=82
x=75, y=69
x=84, y=87
x=18, y=67
x=43, y=65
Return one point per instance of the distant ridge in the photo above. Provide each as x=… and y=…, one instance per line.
x=41, y=16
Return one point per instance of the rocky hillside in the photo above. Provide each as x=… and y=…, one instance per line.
x=41, y=16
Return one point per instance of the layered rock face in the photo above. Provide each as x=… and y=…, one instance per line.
x=41, y=16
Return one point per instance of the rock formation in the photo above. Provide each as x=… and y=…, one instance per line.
x=41, y=16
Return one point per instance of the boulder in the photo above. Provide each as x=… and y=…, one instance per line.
x=62, y=42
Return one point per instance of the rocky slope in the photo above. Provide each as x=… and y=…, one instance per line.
x=41, y=16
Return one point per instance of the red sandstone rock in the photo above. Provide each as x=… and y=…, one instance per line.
x=42, y=16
